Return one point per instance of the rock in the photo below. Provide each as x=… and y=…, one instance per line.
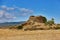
x=39, y=19
x=35, y=23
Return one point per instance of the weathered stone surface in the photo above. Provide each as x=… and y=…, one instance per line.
x=35, y=23
x=38, y=23
x=39, y=19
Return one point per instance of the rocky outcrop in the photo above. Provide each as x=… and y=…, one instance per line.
x=38, y=23
x=35, y=23
x=39, y=19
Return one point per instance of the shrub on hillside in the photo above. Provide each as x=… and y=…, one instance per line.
x=44, y=19
x=50, y=22
x=20, y=27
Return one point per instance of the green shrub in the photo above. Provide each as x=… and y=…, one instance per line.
x=19, y=27
x=44, y=19
x=50, y=22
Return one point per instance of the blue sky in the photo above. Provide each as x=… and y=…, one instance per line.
x=20, y=10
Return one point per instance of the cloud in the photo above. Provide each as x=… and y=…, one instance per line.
x=10, y=8
x=5, y=16
x=4, y=7
x=9, y=16
x=10, y=13
x=1, y=13
x=25, y=11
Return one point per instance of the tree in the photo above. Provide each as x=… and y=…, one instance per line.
x=50, y=22
x=44, y=19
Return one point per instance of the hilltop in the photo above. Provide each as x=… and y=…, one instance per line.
x=39, y=23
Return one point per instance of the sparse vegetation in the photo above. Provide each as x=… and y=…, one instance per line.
x=20, y=27
x=36, y=23
x=50, y=22
x=44, y=19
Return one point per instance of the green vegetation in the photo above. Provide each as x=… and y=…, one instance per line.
x=20, y=27
x=50, y=22
x=44, y=19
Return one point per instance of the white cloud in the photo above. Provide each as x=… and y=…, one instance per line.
x=9, y=16
x=5, y=16
x=11, y=8
x=3, y=6
x=10, y=13
x=1, y=13
x=26, y=10
x=6, y=8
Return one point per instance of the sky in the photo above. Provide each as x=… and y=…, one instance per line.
x=21, y=10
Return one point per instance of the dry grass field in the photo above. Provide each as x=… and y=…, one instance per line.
x=8, y=34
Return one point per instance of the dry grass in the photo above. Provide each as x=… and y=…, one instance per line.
x=6, y=34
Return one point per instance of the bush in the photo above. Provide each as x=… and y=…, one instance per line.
x=44, y=19
x=19, y=27
x=50, y=22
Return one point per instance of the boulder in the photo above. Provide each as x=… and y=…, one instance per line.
x=35, y=23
